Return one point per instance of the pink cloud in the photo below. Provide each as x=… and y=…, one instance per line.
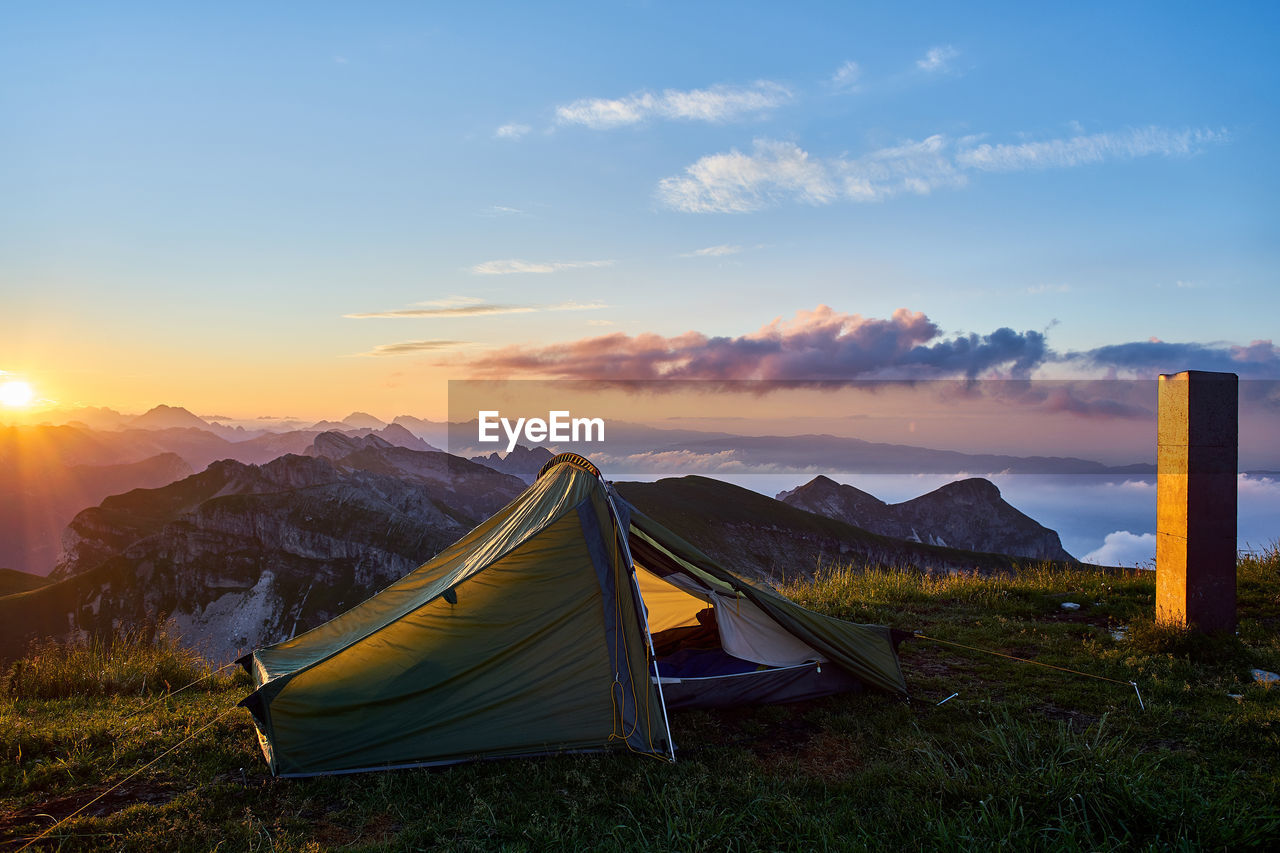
x=814, y=346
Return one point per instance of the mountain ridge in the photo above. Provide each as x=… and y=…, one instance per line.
x=969, y=514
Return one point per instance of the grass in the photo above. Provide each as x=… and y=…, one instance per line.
x=1023, y=758
x=138, y=661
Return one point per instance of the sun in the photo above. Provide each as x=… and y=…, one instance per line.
x=16, y=394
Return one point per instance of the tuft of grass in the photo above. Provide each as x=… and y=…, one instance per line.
x=148, y=659
x=1033, y=786
x=1149, y=637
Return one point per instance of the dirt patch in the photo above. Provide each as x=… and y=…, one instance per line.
x=35, y=818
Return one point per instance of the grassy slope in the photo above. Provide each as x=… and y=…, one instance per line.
x=13, y=581
x=1023, y=757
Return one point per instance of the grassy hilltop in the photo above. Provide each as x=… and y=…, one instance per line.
x=1024, y=757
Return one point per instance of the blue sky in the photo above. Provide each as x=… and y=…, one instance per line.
x=196, y=200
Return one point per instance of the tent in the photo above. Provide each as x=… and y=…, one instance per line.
x=546, y=630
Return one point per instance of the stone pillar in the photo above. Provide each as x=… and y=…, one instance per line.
x=1196, y=460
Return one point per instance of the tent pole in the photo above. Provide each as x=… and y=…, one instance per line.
x=644, y=613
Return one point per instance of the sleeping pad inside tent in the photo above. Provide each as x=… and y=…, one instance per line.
x=567, y=622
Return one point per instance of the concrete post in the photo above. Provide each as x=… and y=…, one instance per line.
x=1196, y=460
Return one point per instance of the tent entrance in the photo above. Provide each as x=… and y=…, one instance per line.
x=713, y=648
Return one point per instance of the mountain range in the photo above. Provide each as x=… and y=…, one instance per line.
x=968, y=514
x=239, y=555
x=763, y=537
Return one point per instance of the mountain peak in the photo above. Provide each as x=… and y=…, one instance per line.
x=977, y=487
x=523, y=462
x=336, y=445
x=835, y=497
x=363, y=420
x=167, y=417
x=968, y=514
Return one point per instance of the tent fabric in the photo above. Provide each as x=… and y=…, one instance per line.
x=669, y=605
x=748, y=632
x=531, y=635
x=543, y=652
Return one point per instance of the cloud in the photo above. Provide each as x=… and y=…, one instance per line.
x=1088, y=398
x=775, y=172
x=515, y=266
x=1086, y=149
x=453, y=306
x=1123, y=548
x=511, y=131
x=822, y=345
x=740, y=183
x=502, y=210
x=1049, y=288
x=717, y=103
x=468, y=306
x=846, y=77
x=937, y=58
x=1258, y=360
x=712, y=252
x=411, y=347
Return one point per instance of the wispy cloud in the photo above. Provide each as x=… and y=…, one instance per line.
x=453, y=306
x=775, y=172
x=515, y=266
x=712, y=252
x=717, y=103
x=511, y=131
x=739, y=183
x=1049, y=288
x=937, y=58
x=1085, y=149
x=846, y=77
x=468, y=306
x=411, y=347
x=502, y=210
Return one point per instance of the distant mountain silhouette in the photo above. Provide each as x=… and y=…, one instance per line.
x=167, y=417
x=164, y=417
x=968, y=514
x=40, y=492
x=522, y=461
x=363, y=420
x=435, y=433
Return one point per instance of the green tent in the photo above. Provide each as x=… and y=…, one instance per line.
x=546, y=630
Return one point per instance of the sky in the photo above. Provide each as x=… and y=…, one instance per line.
x=304, y=209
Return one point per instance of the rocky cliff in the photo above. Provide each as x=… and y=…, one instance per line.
x=242, y=555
